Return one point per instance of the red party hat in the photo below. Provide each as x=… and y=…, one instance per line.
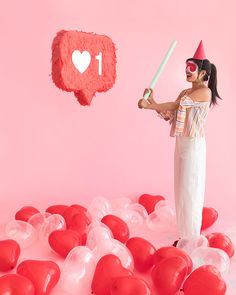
x=200, y=52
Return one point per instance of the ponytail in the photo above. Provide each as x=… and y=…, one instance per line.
x=212, y=84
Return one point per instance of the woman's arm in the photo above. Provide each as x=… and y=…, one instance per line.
x=158, y=107
x=162, y=107
x=151, y=104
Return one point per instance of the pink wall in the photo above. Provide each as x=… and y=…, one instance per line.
x=52, y=150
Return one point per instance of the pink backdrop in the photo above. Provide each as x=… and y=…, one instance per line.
x=52, y=150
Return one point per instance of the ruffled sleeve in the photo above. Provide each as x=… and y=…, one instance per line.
x=187, y=102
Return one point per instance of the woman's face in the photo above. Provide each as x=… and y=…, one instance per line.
x=192, y=73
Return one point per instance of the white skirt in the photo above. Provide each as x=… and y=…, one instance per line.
x=189, y=183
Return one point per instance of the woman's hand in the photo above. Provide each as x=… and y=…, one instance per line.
x=143, y=104
x=147, y=104
x=166, y=115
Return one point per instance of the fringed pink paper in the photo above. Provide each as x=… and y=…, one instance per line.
x=65, y=74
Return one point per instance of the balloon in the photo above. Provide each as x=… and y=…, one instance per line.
x=25, y=213
x=43, y=274
x=52, y=223
x=79, y=208
x=132, y=214
x=57, y=209
x=117, y=248
x=162, y=219
x=118, y=203
x=142, y=252
x=69, y=213
x=14, y=284
x=205, y=280
x=209, y=216
x=221, y=241
x=129, y=285
x=77, y=271
x=230, y=278
x=231, y=233
x=213, y=256
x=108, y=268
x=22, y=232
x=79, y=223
x=117, y=226
x=149, y=201
x=166, y=252
x=98, y=208
x=38, y=219
x=9, y=254
x=138, y=208
x=169, y=274
x=63, y=241
x=188, y=244
x=97, y=234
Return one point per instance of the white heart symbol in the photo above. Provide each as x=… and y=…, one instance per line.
x=81, y=60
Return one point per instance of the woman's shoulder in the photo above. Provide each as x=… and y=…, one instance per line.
x=202, y=94
x=182, y=93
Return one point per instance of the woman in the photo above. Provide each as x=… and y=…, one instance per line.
x=187, y=117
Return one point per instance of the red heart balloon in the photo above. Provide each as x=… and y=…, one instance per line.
x=9, y=254
x=25, y=213
x=166, y=252
x=108, y=268
x=63, y=241
x=149, y=201
x=79, y=223
x=14, y=284
x=169, y=274
x=129, y=285
x=68, y=214
x=118, y=227
x=142, y=252
x=43, y=274
x=79, y=208
x=73, y=210
x=209, y=216
x=221, y=241
x=57, y=209
x=206, y=279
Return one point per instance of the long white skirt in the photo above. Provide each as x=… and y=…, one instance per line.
x=189, y=183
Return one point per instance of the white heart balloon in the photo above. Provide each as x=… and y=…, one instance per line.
x=213, y=256
x=188, y=244
x=77, y=271
x=117, y=248
x=22, y=232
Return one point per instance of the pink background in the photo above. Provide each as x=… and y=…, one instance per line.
x=53, y=150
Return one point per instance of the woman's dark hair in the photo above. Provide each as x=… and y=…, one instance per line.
x=211, y=71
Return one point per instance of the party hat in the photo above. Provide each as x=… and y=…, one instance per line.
x=200, y=52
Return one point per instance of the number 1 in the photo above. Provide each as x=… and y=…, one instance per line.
x=99, y=58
